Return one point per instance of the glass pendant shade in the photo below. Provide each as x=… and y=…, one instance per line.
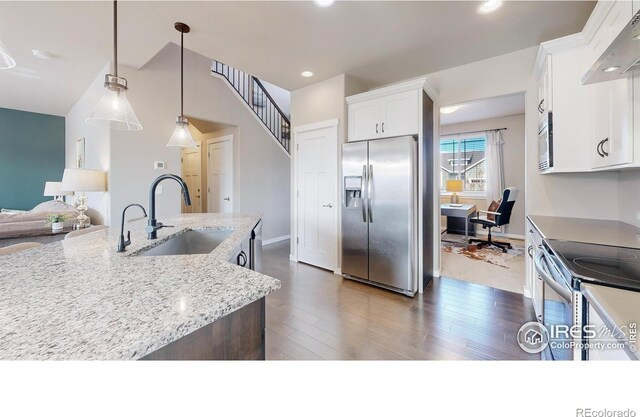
x=6, y=61
x=113, y=110
x=181, y=136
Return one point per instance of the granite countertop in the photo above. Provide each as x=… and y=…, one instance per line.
x=79, y=299
x=617, y=308
x=602, y=232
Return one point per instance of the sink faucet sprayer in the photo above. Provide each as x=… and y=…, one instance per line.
x=122, y=244
x=154, y=225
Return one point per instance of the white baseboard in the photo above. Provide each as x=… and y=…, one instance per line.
x=275, y=240
x=436, y=274
x=338, y=271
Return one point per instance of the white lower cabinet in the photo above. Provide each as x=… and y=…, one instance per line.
x=534, y=240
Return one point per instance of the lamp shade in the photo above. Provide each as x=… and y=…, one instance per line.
x=181, y=136
x=54, y=189
x=113, y=110
x=82, y=180
x=455, y=186
x=6, y=61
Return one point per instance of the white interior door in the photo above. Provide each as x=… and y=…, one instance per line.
x=220, y=175
x=317, y=205
x=192, y=175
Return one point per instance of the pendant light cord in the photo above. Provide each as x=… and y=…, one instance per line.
x=115, y=37
x=182, y=73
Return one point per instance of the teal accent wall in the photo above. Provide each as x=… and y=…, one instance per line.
x=32, y=151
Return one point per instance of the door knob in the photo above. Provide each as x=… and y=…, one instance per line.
x=327, y=205
x=227, y=199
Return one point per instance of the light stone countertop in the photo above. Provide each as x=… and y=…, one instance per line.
x=79, y=299
x=617, y=308
x=601, y=232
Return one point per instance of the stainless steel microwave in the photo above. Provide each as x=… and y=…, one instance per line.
x=545, y=142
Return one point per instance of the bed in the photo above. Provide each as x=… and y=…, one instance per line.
x=16, y=223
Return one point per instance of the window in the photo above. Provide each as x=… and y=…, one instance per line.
x=464, y=159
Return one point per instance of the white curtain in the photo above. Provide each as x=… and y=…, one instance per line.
x=495, y=166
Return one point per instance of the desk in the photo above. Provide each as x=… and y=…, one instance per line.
x=464, y=211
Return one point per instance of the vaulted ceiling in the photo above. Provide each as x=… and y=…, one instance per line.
x=379, y=42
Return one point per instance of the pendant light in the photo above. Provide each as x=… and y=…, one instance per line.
x=181, y=136
x=113, y=109
x=6, y=61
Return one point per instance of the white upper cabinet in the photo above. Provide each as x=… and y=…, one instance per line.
x=593, y=123
x=365, y=120
x=611, y=110
x=545, y=90
x=391, y=111
x=400, y=114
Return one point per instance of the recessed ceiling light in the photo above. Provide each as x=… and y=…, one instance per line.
x=449, y=109
x=637, y=37
x=306, y=74
x=489, y=6
x=324, y=3
x=39, y=53
x=611, y=69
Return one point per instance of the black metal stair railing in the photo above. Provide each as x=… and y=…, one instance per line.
x=259, y=100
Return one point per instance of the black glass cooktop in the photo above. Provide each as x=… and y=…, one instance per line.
x=606, y=265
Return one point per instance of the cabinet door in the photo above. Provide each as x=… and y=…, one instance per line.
x=612, y=123
x=541, y=94
x=600, y=122
x=400, y=114
x=537, y=286
x=364, y=120
x=619, y=147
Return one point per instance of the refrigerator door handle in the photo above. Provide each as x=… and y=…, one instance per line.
x=370, y=204
x=363, y=181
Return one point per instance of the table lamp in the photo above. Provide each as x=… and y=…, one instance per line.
x=455, y=186
x=82, y=181
x=54, y=189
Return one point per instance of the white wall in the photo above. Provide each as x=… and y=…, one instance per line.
x=629, y=197
x=154, y=93
x=261, y=166
x=569, y=195
x=281, y=96
x=322, y=101
x=97, y=149
x=514, y=160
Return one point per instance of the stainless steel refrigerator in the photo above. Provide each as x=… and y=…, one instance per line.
x=380, y=213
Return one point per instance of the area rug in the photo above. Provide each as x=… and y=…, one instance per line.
x=486, y=266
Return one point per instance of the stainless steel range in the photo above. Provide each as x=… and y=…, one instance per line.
x=565, y=267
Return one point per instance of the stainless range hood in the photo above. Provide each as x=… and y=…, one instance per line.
x=621, y=58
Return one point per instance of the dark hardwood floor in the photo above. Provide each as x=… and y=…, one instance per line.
x=319, y=315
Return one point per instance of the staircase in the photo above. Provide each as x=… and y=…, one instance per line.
x=258, y=99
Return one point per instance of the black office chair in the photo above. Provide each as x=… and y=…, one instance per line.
x=502, y=215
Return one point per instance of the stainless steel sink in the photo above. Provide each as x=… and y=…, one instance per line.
x=192, y=242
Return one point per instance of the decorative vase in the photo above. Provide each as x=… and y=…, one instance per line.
x=57, y=226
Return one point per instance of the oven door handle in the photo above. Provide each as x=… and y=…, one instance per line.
x=548, y=279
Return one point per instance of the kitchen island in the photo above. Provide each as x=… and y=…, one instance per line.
x=79, y=299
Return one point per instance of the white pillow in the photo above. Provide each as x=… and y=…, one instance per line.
x=54, y=206
x=12, y=211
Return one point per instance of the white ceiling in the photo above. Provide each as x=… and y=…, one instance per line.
x=488, y=108
x=376, y=42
